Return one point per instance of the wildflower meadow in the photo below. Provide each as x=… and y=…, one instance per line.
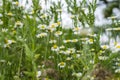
x=36, y=45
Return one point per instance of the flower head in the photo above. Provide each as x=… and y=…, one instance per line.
x=104, y=46
x=42, y=27
x=41, y=35
x=38, y=74
x=58, y=33
x=18, y=24
x=55, y=48
x=62, y=64
x=10, y=14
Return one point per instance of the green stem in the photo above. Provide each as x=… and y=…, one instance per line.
x=3, y=13
x=20, y=61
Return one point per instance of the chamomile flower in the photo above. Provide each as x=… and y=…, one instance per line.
x=4, y=30
x=42, y=27
x=67, y=41
x=78, y=75
x=77, y=56
x=1, y=22
x=69, y=51
x=76, y=29
x=62, y=64
x=72, y=50
x=82, y=31
x=43, y=16
x=52, y=41
x=15, y=3
x=117, y=47
x=53, y=27
x=55, y=48
x=10, y=14
x=61, y=51
x=8, y=43
x=117, y=70
x=103, y=57
x=1, y=15
x=69, y=58
x=58, y=33
x=104, y=46
x=18, y=24
x=72, y=16
x=38, y=74
x=112, y=17
x=41, y=35
x=62, y=47
x=92, y=61
x=90, y=41
x=74, y=40
x=58, y=23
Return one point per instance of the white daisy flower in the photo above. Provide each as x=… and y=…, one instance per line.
x=62, y=64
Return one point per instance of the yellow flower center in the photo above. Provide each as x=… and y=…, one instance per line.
x=55, y=46
x=104, y=47
x=118, y=46
x=17, y=3
x=9, y=14
x=62, y=64
x=91, y=40
x=58, y=23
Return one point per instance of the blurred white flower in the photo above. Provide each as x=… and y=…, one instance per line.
x=78, y=75
x=103, y=57
x=44, y=16
x=15, y=3
x=74, y=40
x=82, y=31
x=62, y=47
x=4, y=30
x=66, y=41
x=58, y=33
x=53, y=27
x=104, y=46
x=42, y=27
x=38, y=74
x=1, y=22
x=1, y=15
x=90, y=41
x=10, y=14
x=62, y=64
x=77, y=55
x=52, y=41
x=18, y=24
x=69, y=58
x=69, y=51
x=117, y=70
x=41, y=35
x=55, y=48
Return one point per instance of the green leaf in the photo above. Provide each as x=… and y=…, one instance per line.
x=29, y=53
